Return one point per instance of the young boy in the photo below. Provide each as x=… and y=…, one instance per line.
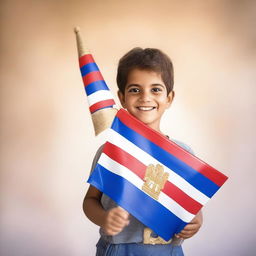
x=145, y=82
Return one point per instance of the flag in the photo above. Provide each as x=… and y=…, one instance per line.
x=98, y=93
x=100, y=99
x=134, y=160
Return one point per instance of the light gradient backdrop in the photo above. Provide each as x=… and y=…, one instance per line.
x=47, y=138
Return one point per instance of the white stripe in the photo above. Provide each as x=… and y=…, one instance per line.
x=120, y=141
x=164, y=200
x=120, y=170
x=99, y=96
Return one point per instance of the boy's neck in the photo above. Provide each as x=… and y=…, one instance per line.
x=157, y=128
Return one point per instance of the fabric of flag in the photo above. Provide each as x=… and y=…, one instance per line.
x=99, y=95
x=119, y=173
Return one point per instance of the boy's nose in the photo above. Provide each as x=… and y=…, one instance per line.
x=145, y=97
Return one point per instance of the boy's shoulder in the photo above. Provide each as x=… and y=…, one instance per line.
x=96, y=157
x=183, y=145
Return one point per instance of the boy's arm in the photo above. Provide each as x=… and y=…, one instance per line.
x=92, y=207
x=112, y=221
x=192, y=228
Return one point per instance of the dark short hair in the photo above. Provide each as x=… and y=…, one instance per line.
x=148, y=59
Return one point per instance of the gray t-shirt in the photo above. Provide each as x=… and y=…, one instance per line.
x=133, y=233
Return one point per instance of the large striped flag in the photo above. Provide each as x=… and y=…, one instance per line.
x=154, y=179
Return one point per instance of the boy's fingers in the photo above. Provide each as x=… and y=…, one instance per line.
x=122, y=212
x=117, y=217
x=190, y=227
x=118, y=221
x=185, y=236
x=187, y=233
x=113, y=231
x=116, y=224
x=115, y=228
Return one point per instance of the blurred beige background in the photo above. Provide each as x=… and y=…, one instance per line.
x=47, y=140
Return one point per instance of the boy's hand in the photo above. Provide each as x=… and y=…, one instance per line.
x=191, y=228
x=115, y=221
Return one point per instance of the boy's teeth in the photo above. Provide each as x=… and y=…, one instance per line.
x=145, y=108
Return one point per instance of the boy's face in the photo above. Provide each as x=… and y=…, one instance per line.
x=145, y=97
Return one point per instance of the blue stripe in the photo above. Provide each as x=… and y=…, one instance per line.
x=96, y=86
x=141, y=206
x=90, y=67
x=195, y=178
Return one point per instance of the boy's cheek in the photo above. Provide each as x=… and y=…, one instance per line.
x=121, y=98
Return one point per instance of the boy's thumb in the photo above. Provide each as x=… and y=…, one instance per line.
x=123, y=210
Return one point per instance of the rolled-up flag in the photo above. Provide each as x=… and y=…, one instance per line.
x=101, y=101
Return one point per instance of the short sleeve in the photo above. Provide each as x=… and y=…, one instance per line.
x=184, y=146
x=96, y=157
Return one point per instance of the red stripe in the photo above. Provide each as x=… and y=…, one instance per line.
x=101, y=104
x=85, y=59
x=125, y=159
x=92, y=77
x=212, y=174
x=138, y=168
x=182, y=198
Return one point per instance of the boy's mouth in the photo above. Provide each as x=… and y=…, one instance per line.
x=145, y=108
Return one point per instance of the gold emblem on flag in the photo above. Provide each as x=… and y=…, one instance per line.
x=155, y=179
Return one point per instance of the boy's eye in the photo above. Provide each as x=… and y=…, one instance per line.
x=156, y=89
x=134, y=90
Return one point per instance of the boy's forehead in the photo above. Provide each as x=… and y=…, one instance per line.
x=143, y=70
x=144, y=76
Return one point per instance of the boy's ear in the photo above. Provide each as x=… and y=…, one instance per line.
x=121, y=98
x=170, y=97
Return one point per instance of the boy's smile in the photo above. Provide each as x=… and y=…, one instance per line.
x=145, y=97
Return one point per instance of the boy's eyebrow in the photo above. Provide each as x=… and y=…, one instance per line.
x=138, y=85
x=130, y=85
x=158, y=85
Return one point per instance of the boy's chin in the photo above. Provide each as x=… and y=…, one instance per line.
x=150, y=123
x=147, y=119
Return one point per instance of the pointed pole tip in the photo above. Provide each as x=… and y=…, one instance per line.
x=77, y=29
x=82, y=50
